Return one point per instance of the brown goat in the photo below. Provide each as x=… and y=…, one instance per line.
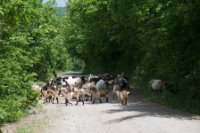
x=48, y=96
x=65, y=88
x=122, y=96
x=72, y=94
x=86, y=89
x=97, y=94
x=55, y=91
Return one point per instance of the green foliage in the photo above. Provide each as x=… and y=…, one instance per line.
x=148, y=39
x=31, y=48
x=93, y=36
x=171, y=51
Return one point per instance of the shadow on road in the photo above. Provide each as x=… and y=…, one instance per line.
x=141, y=107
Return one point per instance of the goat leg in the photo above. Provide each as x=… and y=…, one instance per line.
x=48, y=100
x=66, y=101
x=52, y=100
x=125, y=102
x=93, y=100
x=91, y=97
x=100, y=100
x=106, y=99
x=82, y=101
x=113, y=96
x=57, y=99
x=77, y=101
x=86, y=98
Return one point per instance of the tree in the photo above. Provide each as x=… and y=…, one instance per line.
x=148, y=39
x=30, y=48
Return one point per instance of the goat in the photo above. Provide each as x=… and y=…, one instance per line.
x=120, y=84
x=65, y=88
x=116, y=87
x=122, y=96
x=157, y=85
x=97, y=94
x=55, y=91
x=60, y=81
x=86, y=89
x=75, y=82
x=72, y=94
x=101, y=84
x=107, y=77
x=93, y=78
x=46, y=95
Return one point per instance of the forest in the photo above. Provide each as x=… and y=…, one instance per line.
x=149, y=39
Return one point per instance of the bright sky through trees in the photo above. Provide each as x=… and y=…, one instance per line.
x=60, y=3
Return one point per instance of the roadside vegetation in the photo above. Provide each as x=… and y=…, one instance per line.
x=31, y=49
x=34, y=124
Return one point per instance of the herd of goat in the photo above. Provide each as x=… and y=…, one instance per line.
x=82, y=88
x=91, y=87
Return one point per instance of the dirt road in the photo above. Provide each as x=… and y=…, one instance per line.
x=140, y=116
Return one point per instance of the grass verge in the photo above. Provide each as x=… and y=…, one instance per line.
x=33, y=126
x=33, y=123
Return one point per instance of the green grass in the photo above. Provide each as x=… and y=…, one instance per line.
x=40, y=108
x=34, y=126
